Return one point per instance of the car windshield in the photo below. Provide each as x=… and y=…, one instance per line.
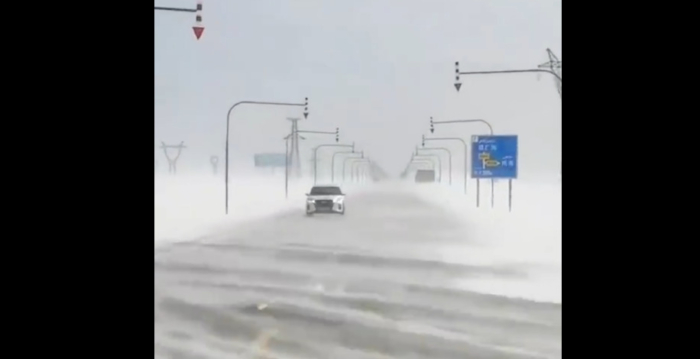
x=326, y=190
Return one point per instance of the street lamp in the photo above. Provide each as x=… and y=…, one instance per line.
x=345, y=161
x=355, y=169
x=449, y=157
x=466, y=154
x=305, y=104
x=478, y=181
x=431, y=157
x=352, y=160
x=412, y=161
x=333, y=161
x=415, y=162
x=352, y=146
x=286, y=173
x=433, y=123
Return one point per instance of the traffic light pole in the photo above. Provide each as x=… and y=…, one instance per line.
x=316, y=156
x=449, y=158
x=439, y=163
x=305, y=104
x=466, y=153
x=198, y=28
x=478, y=181
x=420, y=162
x=345, y=162
x=178, y=9
x=432, y=129
x=458, y=84
x=355, y=169
x=333, y=162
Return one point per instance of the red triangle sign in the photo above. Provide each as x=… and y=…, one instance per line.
x=198, y=30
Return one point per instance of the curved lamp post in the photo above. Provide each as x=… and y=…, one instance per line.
x=352, y=146
x=305, y=104
x=449, y=157
x=333, y=161
x=478, y=181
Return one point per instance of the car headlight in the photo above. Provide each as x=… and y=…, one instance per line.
x=338, y=199
x=310, y=200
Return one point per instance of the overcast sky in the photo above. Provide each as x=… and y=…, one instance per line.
x=378, y=69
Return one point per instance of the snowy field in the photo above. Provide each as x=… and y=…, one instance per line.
x=529, y=235
x=191, y=207
x=410, y=271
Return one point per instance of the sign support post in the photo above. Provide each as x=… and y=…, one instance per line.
x=495, y=157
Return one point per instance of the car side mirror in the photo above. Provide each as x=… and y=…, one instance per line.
x=307, y=195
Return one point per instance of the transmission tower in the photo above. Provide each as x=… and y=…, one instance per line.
x=293, y=159
x=554, y=64
x=172, y=161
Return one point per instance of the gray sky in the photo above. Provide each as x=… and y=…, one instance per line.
x=378, y=69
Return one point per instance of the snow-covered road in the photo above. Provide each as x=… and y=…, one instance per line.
x=374, y=283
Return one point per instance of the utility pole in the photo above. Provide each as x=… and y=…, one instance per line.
x=294, y=159
x=554, y=65
x=295, y=134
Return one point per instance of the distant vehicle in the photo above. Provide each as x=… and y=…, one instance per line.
x=325, y=199
x=425, y=176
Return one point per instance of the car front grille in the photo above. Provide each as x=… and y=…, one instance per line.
x=324, y=203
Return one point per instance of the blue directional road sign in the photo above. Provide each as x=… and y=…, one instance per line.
x=495, y=157
x=269, y=160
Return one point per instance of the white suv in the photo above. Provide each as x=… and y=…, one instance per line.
x=326, y=199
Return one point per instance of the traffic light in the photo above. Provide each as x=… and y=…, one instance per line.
x=458, y=85
x=423, y=141
x=306, y=107
x=337, y=134
x=432, y=128
x=198, y=28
